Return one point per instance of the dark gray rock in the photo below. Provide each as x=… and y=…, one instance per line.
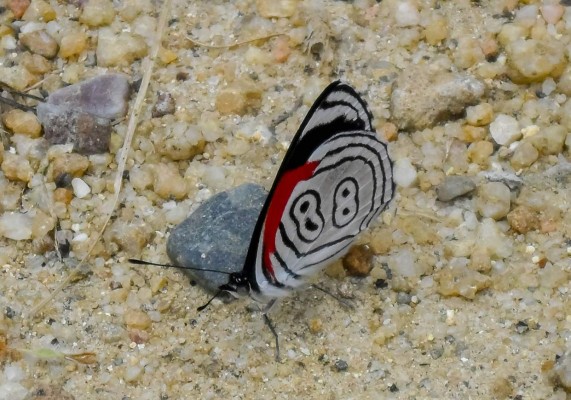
x=82, y=113
x=216, y=236
x=453, y=187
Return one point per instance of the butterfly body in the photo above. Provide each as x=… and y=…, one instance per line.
x=335, y=179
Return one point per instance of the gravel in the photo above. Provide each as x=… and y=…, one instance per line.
x=474, y=90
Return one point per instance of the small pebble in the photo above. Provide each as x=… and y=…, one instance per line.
x=358, y=261
x=341, y=365
x=494, y=200
x=522, y=219
x=97, y=13
x=424, y=96
x=70, y=164
x=165, y=105
x=80, y=188
x=549, y=140
x=453, y=187
x=72, y=44
x=16, y=226
x=35, y=63
x=16, y=77
x=533, y=60
x=277, y=8
x=404, y=173
x=40, y=42
x=119, y=49
x=136, y=319
x=168, y=183
x=552, y=13
x=39, y=11
x=406, y=14
x=403, y=298
x=505, y=129
x=23, y=122
x=480, y=115
x=524, y=155
x=18, y=7
x=521, y=327
x=479, y=152
x=17, y=167
x=461, y=281
x=238, y=99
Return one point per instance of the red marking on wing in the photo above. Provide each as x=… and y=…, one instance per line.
x=279, y=200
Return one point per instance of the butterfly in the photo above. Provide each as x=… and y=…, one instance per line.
x=335, y=180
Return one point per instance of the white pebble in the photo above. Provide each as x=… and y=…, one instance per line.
x=404, y=173
x=132, y=373
x=80, y=188
x=13, y=391
x=505, y=129
x=16, y=226
x=13, y=373
x=407, y=14
x=548, y=86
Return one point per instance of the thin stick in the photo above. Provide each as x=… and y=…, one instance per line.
x=15, y=104
x=229, y=46
x=124, y=152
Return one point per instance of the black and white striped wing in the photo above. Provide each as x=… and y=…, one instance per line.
x=336, y=178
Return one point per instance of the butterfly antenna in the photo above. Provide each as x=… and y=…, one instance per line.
x=143, y=262
x=209, y=301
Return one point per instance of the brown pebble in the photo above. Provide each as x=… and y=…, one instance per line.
x=40, y=42
x=522, y=219
x=389, y=132
x=35, y=63
x=358, y=261
x=238, y=99
x=18, y=7
x=72, y=44
x=63, y=195
x=315, y=325
x=70, y=163
x=17, y=168
x=25, y=123
x=136, y=319
x=502, y=388
x=138, y=336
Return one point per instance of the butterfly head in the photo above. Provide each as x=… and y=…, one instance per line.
x=238, y=285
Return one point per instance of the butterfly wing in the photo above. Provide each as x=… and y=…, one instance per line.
x=335, y=179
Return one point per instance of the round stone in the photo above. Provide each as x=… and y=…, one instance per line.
x=493, y=200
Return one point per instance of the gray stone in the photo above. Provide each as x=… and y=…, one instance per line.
x=104, y=96
x=81, y=114
x=424, y=96
x=217, y=235
x=453, y=187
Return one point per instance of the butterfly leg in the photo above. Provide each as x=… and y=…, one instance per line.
x=270, y=325
x=339, y=299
